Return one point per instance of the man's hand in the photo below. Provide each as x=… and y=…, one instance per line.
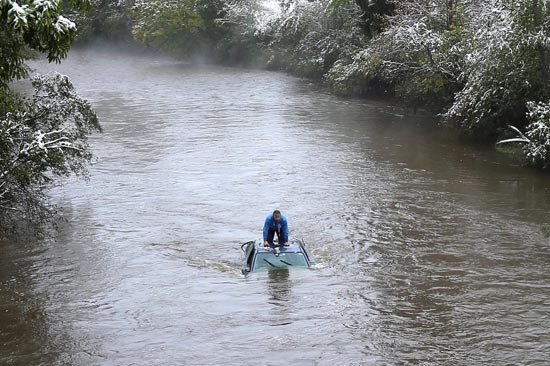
x=286, y=244
x=266, y=243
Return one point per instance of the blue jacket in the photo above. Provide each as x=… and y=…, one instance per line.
x=276, y=226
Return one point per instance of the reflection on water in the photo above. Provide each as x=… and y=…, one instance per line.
x=279, y=289
x=278, y=285
x=427, y=252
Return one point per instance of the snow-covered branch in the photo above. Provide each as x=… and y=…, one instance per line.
x=47, y=137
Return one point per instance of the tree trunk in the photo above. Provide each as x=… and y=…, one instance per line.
x=373, y=13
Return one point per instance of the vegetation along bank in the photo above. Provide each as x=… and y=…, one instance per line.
x=481, y=65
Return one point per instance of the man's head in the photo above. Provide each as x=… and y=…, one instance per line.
x=277, y=215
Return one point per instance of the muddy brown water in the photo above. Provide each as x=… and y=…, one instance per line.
x=427, y=252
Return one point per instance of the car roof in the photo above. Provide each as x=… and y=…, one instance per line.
x=292, y=248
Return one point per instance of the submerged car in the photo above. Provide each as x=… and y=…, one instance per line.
x=258, y=257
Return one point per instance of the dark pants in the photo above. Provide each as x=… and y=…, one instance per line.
x=271, y=233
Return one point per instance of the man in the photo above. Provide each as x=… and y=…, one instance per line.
x=275, y=223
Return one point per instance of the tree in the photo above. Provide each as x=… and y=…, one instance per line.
x=246, y=26
x=421, y=52
x=417, y=56
x=188, y=28
x=43, y=137
x=108, y=19
x=310, y=36
x=168, y=25
x=505, y=66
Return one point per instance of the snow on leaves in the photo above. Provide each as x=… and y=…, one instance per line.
x=45, y=138
x=22, y=13
x=537, y=150
x=18, y=14
x=40, y=25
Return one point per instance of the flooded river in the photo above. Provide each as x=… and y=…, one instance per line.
x=427, y=251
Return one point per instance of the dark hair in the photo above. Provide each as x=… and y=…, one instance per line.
x=276, y=212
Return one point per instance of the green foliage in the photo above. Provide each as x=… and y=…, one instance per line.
x=537, y=150
x=189, y=28
x=45, y=137
x=360, y=74
x=108, y=19
x=421, y=53
x=374, y=15
x=505, y=67
x=168, y=25
x=34, y=24
x=214, y=30
x=308, y=38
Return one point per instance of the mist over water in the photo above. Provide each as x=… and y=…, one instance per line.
x=427, y=251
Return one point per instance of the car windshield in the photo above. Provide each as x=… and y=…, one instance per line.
x=283, y=260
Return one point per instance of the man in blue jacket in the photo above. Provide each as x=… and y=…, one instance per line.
x=275, y=223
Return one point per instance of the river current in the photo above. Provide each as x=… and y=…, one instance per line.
x=427, y=251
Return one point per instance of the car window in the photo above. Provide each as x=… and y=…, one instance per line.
x=284, y=260
x=250, y=257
